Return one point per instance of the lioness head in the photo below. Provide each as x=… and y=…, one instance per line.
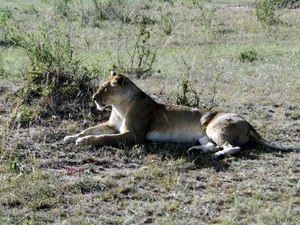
x=111, y=92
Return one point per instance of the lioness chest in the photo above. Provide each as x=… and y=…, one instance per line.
x=176, y=124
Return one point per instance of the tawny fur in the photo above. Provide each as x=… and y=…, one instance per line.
x=136, y=117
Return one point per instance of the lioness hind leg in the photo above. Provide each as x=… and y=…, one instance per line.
x=228, y=149
x=206, y=145
x=229, y=131
x=209, y=147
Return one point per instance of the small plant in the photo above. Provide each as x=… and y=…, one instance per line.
x=141, y=56
x=265, y=12
x=207, y=15
x=248, y=56
x=5, y=17
x=166, y=24
x=14, y=167
x=192, y=98
x=184, y=99
x=25, y=115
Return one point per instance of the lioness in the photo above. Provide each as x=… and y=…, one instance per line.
x=136, y=117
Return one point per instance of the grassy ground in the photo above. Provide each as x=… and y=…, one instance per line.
x=210, y=44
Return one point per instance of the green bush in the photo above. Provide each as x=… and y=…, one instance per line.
x=56, y=84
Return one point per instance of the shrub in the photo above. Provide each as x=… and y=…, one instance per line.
x=56, y=83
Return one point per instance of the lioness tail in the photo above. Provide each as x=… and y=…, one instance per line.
x=260, y=140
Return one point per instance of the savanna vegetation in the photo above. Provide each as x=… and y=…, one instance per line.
x=237, y=56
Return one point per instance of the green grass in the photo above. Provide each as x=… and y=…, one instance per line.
x=44, y=181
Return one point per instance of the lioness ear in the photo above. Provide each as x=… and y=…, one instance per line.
x=118, y=81
x=113, y=73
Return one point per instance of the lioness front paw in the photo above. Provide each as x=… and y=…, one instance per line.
x=69, y=139
x=88, y=140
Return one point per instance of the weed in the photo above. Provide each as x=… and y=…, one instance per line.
x=181, y=161
x=25, y=115
x=141, y=56
x=5, y=17
x=184, y=99
x=191, y=98
x=207, y=15
x=248, y=56
x=166, y=24
x=14, y=167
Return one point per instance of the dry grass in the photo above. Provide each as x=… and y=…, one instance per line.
x=44, y=181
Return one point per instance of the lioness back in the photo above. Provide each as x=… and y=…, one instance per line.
x=173, y=123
